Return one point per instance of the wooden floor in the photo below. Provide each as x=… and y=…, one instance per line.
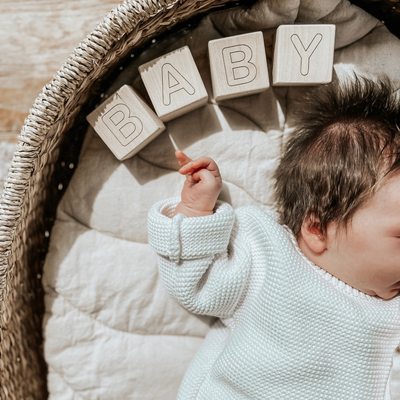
x=36, y=37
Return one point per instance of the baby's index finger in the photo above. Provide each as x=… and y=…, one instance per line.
x=182, y=157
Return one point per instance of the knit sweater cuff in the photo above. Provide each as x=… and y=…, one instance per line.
x=187, y=238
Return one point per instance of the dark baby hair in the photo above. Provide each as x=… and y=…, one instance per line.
x=348, y=140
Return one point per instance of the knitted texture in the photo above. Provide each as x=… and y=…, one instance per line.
x=287, y=329
x=204, y=236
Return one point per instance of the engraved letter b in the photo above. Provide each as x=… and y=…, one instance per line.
x=238, y=68
x=123, y=126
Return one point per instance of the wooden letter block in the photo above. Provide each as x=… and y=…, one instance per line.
x=238, y=65
x=303, y=54
x=174, y=84
x=125, y=123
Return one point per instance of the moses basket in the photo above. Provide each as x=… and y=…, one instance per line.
x=49, y=142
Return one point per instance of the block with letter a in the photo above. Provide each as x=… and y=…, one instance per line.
x=174, y=84
x=238, y=65
x=303, y=54
x=125, y=123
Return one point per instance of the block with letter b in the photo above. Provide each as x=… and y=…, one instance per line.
x=125, y=123
x=174, y=84
x=238, y=65
x=303, y=54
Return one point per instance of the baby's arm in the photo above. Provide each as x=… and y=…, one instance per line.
x=194, y=263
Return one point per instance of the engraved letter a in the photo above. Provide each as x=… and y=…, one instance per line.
x=173, y=81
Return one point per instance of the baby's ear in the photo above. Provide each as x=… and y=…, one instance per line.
x=312, y=234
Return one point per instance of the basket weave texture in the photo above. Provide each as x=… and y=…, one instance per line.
x=28, y=191
x=23, y=229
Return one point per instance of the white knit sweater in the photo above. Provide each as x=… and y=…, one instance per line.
x=287, y=329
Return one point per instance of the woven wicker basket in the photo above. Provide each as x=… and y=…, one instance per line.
x=48, y=145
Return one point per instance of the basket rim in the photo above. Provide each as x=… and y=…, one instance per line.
x=47, y=109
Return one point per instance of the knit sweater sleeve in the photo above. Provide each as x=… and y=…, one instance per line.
x=203, y=261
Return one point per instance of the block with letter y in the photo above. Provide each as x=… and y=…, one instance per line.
x=125, y=123
x=238, y=65
x=303, y=55
x=174, y=84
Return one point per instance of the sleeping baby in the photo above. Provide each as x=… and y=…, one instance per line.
x=306, y=297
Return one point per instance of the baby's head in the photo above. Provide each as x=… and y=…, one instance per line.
x=338, y=184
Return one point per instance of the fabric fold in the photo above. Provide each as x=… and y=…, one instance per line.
x=203, y=236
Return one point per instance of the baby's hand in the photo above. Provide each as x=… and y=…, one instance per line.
x=202, y=186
